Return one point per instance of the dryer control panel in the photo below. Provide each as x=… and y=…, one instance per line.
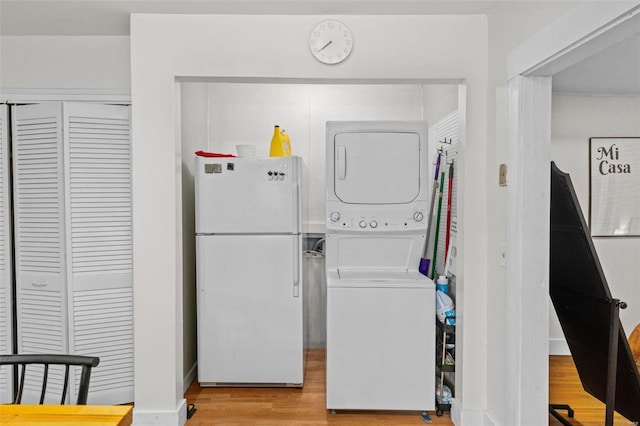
x=348, y=218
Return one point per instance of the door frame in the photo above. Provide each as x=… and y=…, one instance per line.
x=587, y=29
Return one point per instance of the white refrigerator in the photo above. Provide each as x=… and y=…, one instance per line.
x=249, y=271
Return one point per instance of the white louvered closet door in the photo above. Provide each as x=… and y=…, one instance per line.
x=97, y=161
x=39, y=235
x=74, y=239
x=6, y=310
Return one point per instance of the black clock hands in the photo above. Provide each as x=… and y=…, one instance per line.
x=323, y=47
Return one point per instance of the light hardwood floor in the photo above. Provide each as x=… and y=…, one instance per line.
x=288, y=407
x=565, y=388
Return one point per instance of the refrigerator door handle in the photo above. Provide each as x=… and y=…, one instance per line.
x=296, y=207
x=296, y=267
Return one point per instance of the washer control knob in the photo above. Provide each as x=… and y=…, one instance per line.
x=373, y=224
x=418, y=216
x=334, y=216
x=362, y=224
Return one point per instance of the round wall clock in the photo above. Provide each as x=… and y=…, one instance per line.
x=331, y=42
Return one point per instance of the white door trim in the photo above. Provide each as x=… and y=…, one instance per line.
x=585, y=30
x=527, y=297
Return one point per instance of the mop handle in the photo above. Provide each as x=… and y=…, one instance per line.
x=449, y=194
x=435, y=244
x=433, y=200
x=435, y=178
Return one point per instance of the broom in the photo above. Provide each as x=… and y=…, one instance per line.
x=424, y=261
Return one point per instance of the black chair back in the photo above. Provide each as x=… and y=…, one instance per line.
x=45, y=360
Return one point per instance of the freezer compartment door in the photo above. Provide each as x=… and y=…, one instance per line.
x=380, y=348
x=248, y=195
x=250, y=328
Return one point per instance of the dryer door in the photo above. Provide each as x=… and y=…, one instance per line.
x=377, y=167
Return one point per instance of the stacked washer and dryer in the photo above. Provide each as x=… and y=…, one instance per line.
x=380, y=309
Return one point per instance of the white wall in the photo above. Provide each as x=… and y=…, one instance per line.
x=246, y=113
x=197, y=47
x=69, y=62
x=194, y=119
x=575, y=119
x=508, y=27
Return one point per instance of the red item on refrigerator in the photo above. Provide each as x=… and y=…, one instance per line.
x=212, y=154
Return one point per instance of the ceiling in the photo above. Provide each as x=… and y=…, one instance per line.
x=613, y=71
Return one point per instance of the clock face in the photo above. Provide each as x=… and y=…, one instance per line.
x=331, y=42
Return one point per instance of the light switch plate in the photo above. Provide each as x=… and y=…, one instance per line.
x=502, y=175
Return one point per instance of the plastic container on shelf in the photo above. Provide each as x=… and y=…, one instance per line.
x=442, y=284
x=246, y=150
x=280, y=143
x=443, y=393
x=445, y=309
x=286, y=144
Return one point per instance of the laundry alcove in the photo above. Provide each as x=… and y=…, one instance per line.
x=217, y=115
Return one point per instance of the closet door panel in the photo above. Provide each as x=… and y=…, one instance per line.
x=6, y=309
x=39, y=235
x=39, y=227
x=98, y=188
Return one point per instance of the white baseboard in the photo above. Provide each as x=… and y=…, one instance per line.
x=190, y=377
x=469, y=417
x=176, y=417
x=558, y=347
x=488, y=421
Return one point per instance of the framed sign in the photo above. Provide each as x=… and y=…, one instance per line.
x=614, y=182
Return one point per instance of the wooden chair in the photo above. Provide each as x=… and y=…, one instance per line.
x=634, y=344
x=86, y=362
